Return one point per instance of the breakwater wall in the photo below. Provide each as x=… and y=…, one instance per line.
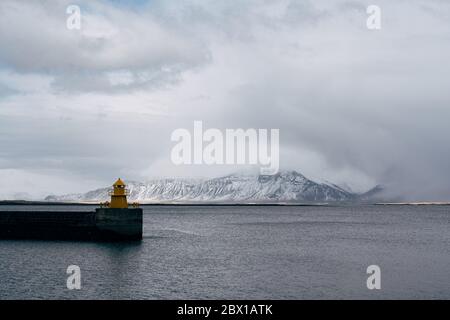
x=104, y=224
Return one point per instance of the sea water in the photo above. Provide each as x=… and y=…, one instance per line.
x=244, y=252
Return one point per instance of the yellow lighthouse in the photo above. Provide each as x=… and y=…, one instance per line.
x=118, y=195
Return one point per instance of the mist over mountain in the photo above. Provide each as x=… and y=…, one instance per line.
x=286, y=186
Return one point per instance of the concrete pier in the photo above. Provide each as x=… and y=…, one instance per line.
x=119, y=223
x=105, y=224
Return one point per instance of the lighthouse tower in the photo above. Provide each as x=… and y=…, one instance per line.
x=119, y=195
x=114, y=220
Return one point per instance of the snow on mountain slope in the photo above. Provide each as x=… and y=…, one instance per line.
x=287, y=186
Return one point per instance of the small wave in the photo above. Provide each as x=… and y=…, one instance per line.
x=182, y=231
x=149, y=236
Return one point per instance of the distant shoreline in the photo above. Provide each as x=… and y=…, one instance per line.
x=47, y=203
x=437, y=203
x=193, y=204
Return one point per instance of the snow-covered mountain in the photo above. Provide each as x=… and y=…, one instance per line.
x=287, y=186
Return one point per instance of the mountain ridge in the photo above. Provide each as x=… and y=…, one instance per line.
x=285, y=186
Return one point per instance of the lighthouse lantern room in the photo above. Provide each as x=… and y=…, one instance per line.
x=119, y=195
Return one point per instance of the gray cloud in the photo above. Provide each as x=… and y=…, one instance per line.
x=35, y=39
x=353, y=106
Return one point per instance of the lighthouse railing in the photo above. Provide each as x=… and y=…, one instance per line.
x=126, y=192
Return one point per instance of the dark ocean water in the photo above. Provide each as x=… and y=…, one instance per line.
x=209, y=252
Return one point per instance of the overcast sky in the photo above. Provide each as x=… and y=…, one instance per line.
x=360, y=107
